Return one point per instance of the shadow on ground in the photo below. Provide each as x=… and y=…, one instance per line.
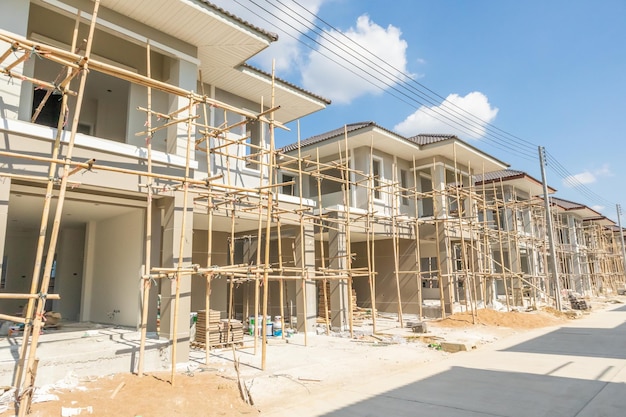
x=466, y=392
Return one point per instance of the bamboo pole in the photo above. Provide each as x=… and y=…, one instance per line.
x=346, y=174
x=268, y=225
x=181, y=248
x=502, y=265
x=37, y=318
x=418, y=259
x=322, y=254
x=304, y=271
x=148, y=242
x=43, y=227
x=396, y=240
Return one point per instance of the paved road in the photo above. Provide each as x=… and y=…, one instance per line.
x=575, y=370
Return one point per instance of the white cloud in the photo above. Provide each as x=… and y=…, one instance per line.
x=341, y=85
x=598, y=208
x=287, y=50
x=433, y=119
x=587, y=177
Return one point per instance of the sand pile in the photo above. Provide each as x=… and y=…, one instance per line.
x=512, y=319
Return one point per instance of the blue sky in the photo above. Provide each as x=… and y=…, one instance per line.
x=552, y=73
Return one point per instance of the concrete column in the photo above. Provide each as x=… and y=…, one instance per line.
x=5, y=188
x=14, y=18
x=172, y=223
x=439, y=184
x=88, y=271
x=446, y=268
x=309, y=264
x=185, y=75
x=576, y=272
x=337, y=251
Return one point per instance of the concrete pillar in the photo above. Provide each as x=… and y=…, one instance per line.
x=172, y=222
x=5, y=188
x=14, y=18
x=337, y=251
x=446, y=268
x=309, y=264
x=185, y=75
x=88, y=271
x=439, y=184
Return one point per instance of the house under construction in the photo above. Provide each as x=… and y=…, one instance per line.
x=140, y=181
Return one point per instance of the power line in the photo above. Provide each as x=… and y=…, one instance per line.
x=403, y=86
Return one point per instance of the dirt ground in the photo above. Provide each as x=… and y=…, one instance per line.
x=214, y=392
x=194, y=395
x=510, y=319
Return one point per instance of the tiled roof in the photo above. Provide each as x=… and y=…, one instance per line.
x=566, y=204
x=430, y=138
x=272, y=36
x=267, y=74
x=504, y=174
x=331, y=134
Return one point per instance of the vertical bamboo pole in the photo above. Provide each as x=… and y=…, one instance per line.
x=346, y=169
x=181, y=248
x=396, y=240
x=371, y=238
x=281, y=281
x=322, y=254
x=304, y=271
x=38, y=316
x=418, y=259
x=504, y=274
x=436, y=221
x=44, y=222
x=464, y=263
x=209, y=254
x=270, y=193
x=257, y=276
x=148, y=243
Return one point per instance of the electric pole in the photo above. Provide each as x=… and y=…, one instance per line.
x=546, y=201
x=621, y=234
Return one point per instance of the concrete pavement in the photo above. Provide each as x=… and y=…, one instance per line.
x=574, y=370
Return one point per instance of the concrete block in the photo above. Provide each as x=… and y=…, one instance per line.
x=420, y=327
x=453, y=347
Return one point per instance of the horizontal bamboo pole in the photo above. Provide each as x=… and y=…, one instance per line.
x=16, y=296
x=13, y=318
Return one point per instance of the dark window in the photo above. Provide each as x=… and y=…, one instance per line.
x=376, y=175
x=49, y=115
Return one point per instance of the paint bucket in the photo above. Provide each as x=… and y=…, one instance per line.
x=278, y=326
x=268, y=326
x=251, y=325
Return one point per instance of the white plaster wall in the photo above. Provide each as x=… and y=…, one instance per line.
x=20, y=251
x=69, y=272
x=14, y=18
x=117, y=269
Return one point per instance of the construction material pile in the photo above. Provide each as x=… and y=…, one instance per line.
x=222, y=332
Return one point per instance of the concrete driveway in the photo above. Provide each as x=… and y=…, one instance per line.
x=573, y=370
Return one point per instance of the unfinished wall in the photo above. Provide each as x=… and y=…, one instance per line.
x=219, y=287
x=117, y=268
x=20, y=258
x=386, y=285
x=69, y=272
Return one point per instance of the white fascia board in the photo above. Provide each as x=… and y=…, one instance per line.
x=237, y=25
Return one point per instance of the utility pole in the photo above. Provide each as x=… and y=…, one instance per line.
x=555, y=271
x=621, y=234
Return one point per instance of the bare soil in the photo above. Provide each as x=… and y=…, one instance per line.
x=199, y=394
x=211, y=392
x=511, y=319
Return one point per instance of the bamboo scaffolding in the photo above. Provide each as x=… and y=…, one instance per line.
x=30, y=368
